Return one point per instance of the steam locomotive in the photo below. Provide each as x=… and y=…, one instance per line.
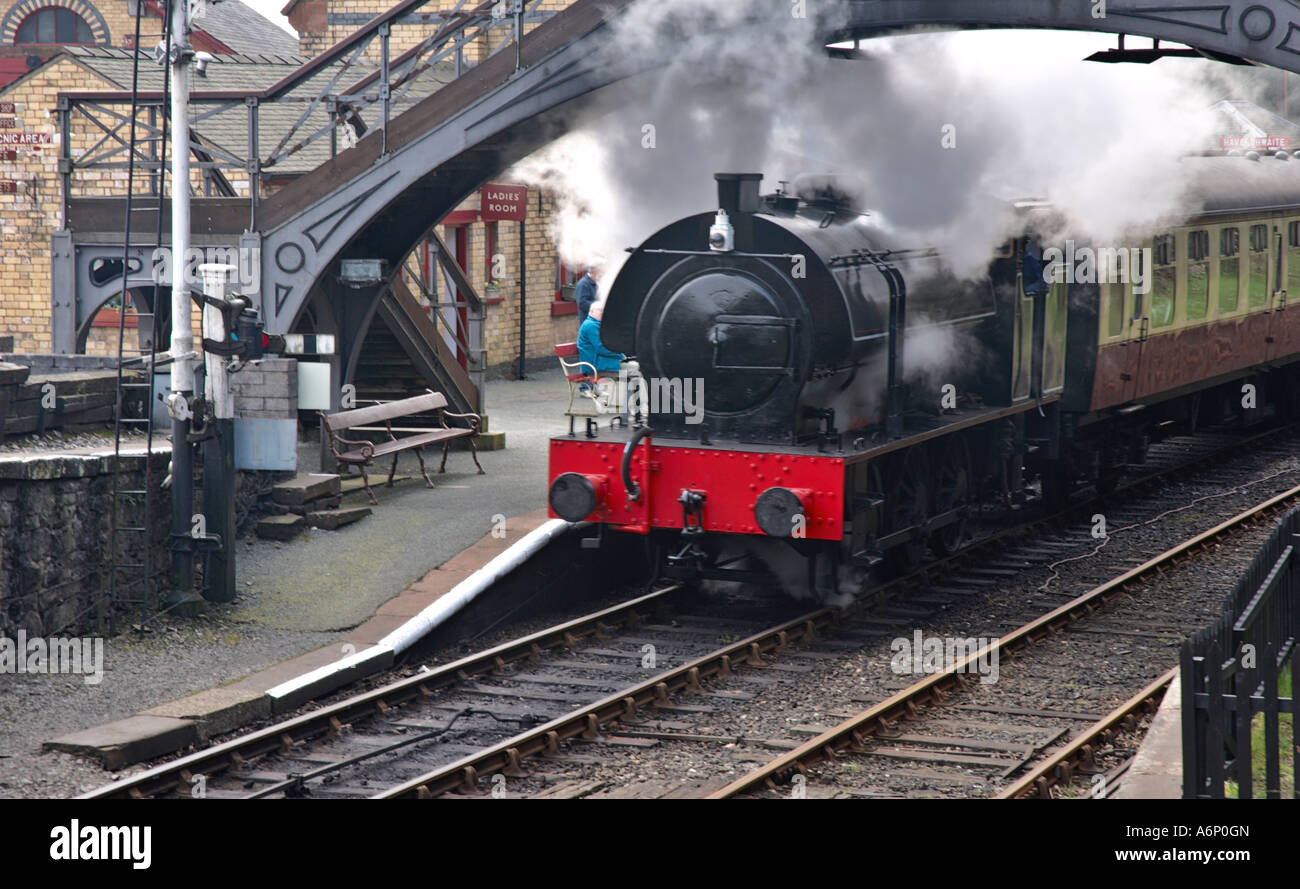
x=860, y=401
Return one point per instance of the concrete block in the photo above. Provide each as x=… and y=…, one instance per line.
x=216, y=710
x=247, y=380
x=330, y=519
x=281, y=527
x=305, y=488
x=127, y=741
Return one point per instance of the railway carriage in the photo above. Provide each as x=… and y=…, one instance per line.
x=860, y=402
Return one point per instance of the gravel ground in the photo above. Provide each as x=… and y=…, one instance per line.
x=62, y=442
x=141, y=670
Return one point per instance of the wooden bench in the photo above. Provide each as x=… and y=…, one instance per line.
x=364, y=453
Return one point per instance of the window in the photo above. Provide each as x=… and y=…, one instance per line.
x=1164, y=283
x=566, y=279
x=1164, y=250
x=1114, y=310
x=1293, y=258
x=1198, y=275
x=1229, y=269
x=54, y=24
x=490, y=252
x=1257, y=293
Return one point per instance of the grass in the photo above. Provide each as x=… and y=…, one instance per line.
x=1286, y=744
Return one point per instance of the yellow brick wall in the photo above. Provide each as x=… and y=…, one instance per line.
x=120, y=24
x=316, y=33
x=30, y=217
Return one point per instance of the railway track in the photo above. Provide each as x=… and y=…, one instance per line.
x=1080, y=756
x=646, y=673
x=883, y=730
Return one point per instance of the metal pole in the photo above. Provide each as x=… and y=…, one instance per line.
x=182, y=340
x=523, y=301
x=219, y=449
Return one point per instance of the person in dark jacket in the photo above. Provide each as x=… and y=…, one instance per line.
x=586, y=293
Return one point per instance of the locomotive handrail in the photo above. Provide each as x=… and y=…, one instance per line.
x=632, y=488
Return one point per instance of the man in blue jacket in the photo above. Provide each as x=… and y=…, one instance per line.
x=590, y=349
x=586, y=293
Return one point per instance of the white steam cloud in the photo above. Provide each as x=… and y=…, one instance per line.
x=941, y=129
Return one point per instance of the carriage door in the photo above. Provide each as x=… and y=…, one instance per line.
x=1025, y=353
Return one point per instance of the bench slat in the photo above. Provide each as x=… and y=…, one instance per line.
x=388, y=411
x=384, y=448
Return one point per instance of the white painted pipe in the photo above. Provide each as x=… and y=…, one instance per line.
x=182, y=341
x=436, y=613
x=473, y=586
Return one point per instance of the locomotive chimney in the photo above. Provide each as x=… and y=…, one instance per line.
x=738, y=192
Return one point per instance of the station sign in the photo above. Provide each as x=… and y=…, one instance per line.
x=8, y=186
x=1255, y=142
x=25, y=139
x=503, y=203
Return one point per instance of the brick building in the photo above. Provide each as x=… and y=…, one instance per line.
x=51, y=46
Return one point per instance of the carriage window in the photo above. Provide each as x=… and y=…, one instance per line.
x=1257, y=293
x=1163, y=283
x=1293, y=258
x=1229, y=269
x=1198, y=275
x=1114, y=310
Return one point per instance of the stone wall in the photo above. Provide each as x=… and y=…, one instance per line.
x=56, y=517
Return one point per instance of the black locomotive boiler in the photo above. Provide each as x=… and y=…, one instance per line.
x=859, y=400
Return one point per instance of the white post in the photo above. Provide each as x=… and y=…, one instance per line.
x=217, y=378
x=182, y=341
x=182, y=334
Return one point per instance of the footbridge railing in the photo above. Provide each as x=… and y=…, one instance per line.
x=296, y=123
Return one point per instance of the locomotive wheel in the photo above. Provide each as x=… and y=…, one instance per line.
x=906, y=504
x=951, y=490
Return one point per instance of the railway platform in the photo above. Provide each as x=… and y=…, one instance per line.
x=351, y=586
x=1157, y=770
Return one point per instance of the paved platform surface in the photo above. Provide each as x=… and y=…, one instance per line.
x=1157, y=770
x=362, y=580
x=332, y=580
